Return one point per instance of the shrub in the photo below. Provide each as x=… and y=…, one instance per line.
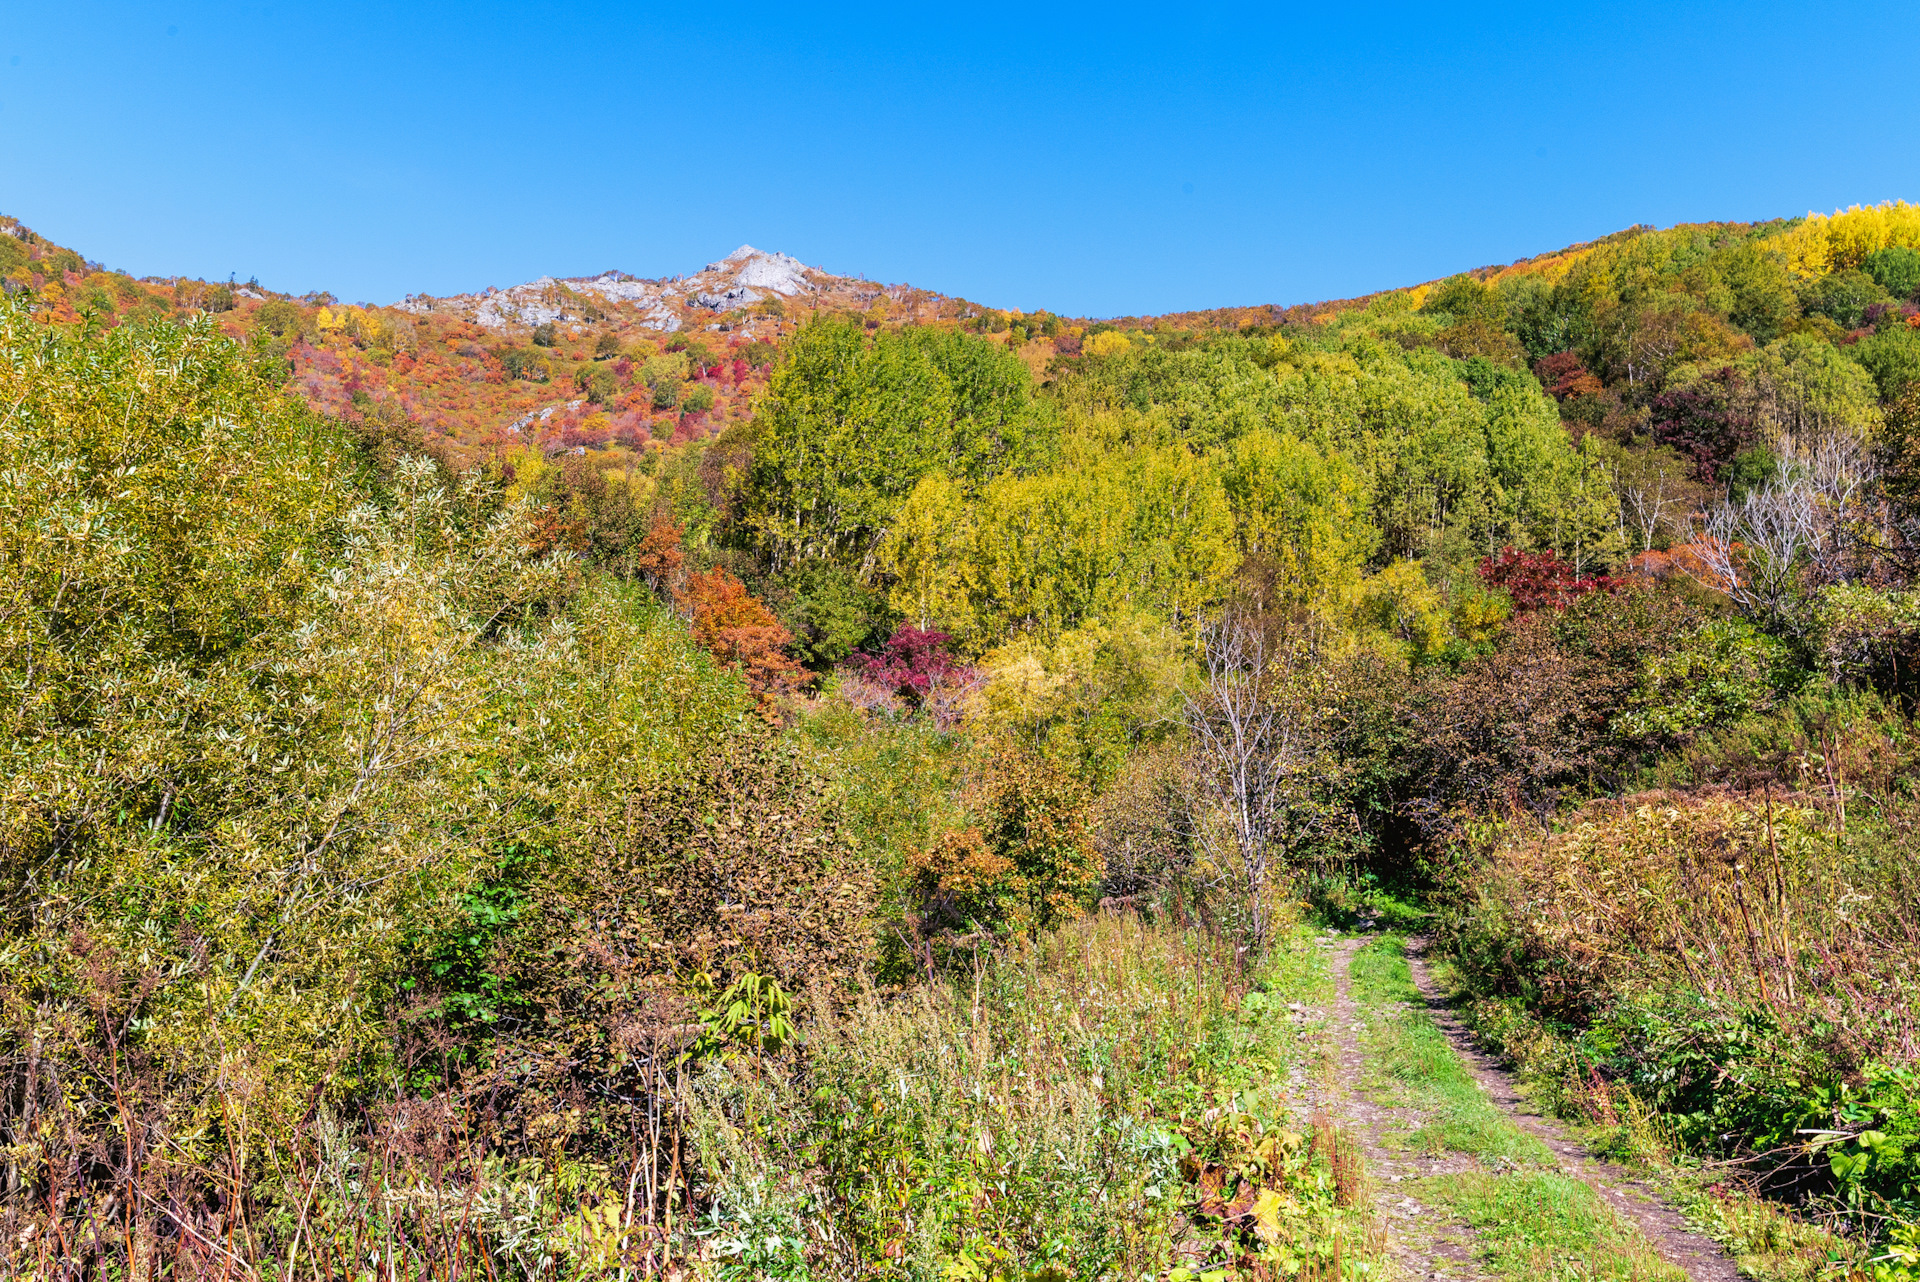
x=1719, y=672
x=737, y=861
x=741, y=632
x=1534, y=720
x=1028, y=866
x=1538, y=580
x=830, y=612
x=520, y=363
x=914, y=662
x=1743, y=965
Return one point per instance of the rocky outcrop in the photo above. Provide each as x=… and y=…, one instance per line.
x=741, y=279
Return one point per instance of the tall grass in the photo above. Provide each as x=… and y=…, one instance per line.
x=1764, y=903
x=1032, y=1113
x=1071, y=1101
x=1731, y=976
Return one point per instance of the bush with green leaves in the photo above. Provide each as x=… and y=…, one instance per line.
x=1718, y=672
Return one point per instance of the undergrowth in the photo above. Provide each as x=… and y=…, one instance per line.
x=1109, y=1101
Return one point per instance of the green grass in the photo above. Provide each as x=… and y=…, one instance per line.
x=1539, y=1225
x=1405, y=1045
x=1530, y=1222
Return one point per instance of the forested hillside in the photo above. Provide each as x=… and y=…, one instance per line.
x=767, y=775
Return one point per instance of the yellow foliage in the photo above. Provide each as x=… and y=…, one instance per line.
x=1400, y=602
x=1843, y=239
x=924, y=555
x=1082, y=699
x=1477, y=616
x=329, y=321
x=1111, y=343
x=1418, y=295
x=1303, y=514
x=1025, y=680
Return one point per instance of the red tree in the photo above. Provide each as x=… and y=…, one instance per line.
x=1539, y=580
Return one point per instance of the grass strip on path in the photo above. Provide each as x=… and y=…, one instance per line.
x=1542, y=1225
x=1531, y=1222
x=1406, y=1045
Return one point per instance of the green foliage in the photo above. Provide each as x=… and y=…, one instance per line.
x=1051, y=1145
x=830, y=613
x=1465, y=298
x=1029, y=866
x=1864, y=634
x=1844, y=297
x=896, y=781
x=1895, y=269
x=753, y=1014
x=280, y=319
x=518, y=362
x=849, y=424
x=1892, y=357
x=1762, y=300
x=1088, y=699
x=600, y=385
x=1719, y=672
x=1302, y=516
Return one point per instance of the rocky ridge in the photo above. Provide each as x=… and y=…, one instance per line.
x=743, y=278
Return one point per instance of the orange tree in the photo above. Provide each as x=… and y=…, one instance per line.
x=1029, y=866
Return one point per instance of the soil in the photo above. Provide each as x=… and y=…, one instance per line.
x=1424, y=1241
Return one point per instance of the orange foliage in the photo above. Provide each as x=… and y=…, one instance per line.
x=657, y=558
x=738, y=629
x=1683, y=559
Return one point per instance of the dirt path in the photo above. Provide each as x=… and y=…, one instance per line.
x=1423, y=1241
x=1663, y=1227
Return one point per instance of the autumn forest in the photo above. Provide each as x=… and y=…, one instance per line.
x=765, y=774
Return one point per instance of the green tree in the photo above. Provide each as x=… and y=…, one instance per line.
x=1896, y=269
x=849, y=424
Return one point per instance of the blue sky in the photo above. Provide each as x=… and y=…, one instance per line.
x=1094, y=160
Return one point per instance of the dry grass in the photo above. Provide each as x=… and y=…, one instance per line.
x=1760, y=901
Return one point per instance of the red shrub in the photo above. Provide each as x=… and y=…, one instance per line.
x=1539, y=580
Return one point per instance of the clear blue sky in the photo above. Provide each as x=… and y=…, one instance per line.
x=1095, y=160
